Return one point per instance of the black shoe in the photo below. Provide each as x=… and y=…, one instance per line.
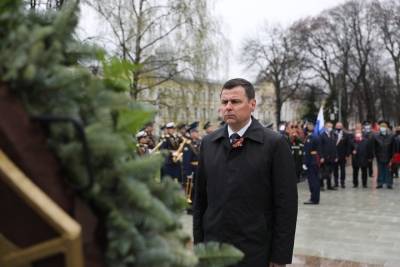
x=389, y=187
x=322, y=189
x=343, y=186
x=336, y=186
x=379, y=187
x=332, y=188
x=310, y=203
x=365, y=186
x=355, y=186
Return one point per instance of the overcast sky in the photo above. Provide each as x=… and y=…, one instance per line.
x=242, y=18
x=239, y=19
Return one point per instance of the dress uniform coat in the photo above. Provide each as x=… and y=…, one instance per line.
x=247, y=196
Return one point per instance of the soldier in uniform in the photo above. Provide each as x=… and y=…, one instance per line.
x=190, y=160
x=171, y=167
x=311, y=163
x=208, y=128
x=149, y=128
x=142, y=147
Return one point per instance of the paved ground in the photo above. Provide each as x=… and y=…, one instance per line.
x=352, y=224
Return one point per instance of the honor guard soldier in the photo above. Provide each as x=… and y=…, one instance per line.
x=311, y=163
x=172, y=166
x=190, y=160
x=142, y=143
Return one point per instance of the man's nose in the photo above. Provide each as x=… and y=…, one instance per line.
x=229, y=105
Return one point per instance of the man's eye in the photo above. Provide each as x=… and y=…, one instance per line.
x=224, y=102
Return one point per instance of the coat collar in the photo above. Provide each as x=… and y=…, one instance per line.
x=254, y=132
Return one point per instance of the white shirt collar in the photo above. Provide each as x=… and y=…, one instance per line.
x=241, y=131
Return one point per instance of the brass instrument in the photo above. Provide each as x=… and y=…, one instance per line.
x=178, y=154
x=188, y=188
x=157, y=146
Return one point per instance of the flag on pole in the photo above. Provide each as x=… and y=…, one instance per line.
x=319, y=124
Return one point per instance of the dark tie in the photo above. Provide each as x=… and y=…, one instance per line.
x=234, y=138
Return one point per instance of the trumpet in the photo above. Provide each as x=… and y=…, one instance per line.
x=188, y=188
x=178, y=154
x=157, y=146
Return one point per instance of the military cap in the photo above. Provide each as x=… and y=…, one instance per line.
x=206, y=125
x=141, y=134
x=170, y=125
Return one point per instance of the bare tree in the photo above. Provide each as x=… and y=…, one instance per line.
x=387, y=19
x=276, y=58
x=164, y=39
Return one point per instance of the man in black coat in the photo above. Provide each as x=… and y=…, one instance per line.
x=383, y=145
x=328, y=155
x=343, y=149
x=361, y=155
x=245, y=191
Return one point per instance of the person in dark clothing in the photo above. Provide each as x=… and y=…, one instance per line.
x=342, y=146
x=311, y=163
x=296, y=146
x=171, y=143
x=396, y=155
x=384, y=150
x=328, y=155
x=190, y=161
x=367, y=133
x=361, y=155
x=246, y=190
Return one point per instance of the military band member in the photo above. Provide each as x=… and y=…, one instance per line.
x=190, y=160
x=142, y=147
x=208, y=128
x=172, y=167
x=149, y=128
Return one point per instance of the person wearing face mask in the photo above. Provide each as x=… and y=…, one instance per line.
x=328, y=155
x=361, y=155
x=367, y=133
x=342, y=146
x=384, y=146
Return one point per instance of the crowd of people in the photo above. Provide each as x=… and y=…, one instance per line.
x=321, y=158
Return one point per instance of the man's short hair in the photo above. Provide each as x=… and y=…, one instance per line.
x=248, y=87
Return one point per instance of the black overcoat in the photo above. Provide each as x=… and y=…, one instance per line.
x=247, y=196
x=363, y=153
x=328, y=147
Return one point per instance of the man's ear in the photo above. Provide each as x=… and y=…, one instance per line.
x=253, y=104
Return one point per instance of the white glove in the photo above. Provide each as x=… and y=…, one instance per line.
x=304, y=167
